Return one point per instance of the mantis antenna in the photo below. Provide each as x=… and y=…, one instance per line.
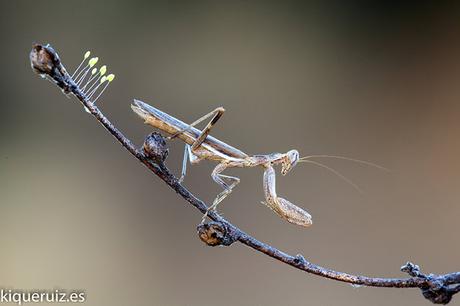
x=340, y=175
x=346, y=158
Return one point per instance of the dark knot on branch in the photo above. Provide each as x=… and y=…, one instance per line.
x=443, y=295
x=216, y=233
x=45, y=61
x=300, y=260
x=435, y=288
x=155, y=148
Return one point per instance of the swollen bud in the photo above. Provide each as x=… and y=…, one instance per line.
x=155, y=147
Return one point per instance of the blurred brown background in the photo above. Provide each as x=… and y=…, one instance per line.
x=375, y=81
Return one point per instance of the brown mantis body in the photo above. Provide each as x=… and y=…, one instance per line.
x=200, y=145
x=88, y=83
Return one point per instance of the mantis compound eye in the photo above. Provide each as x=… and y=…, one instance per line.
x=290, y=160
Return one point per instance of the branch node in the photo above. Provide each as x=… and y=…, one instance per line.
x=441, y=295
x=300, y=260
x=411, y=269
x=435, y=289
x=216, y=233
x=155, y=147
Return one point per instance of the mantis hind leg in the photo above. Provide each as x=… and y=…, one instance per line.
x=226, y=185
x=215, y=114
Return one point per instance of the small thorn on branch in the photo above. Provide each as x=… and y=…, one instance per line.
x=411, y=269
x=216, y=233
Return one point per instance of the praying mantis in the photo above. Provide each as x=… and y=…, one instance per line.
x=199, y=145
x=85, y=83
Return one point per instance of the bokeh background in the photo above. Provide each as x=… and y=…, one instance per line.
x=377, y=81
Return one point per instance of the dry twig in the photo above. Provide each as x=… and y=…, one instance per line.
x=439, y=289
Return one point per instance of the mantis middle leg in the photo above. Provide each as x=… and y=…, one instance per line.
x=188, y=156
x=228, y=186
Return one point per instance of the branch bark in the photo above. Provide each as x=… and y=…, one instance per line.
x=439, y=289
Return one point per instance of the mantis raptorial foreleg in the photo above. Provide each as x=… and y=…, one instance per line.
x=227, y=186
x=280, y=206
x=216, y=114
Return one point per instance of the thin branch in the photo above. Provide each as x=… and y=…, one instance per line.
x=437, y=288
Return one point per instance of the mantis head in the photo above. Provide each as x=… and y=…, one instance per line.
x=289, y=160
